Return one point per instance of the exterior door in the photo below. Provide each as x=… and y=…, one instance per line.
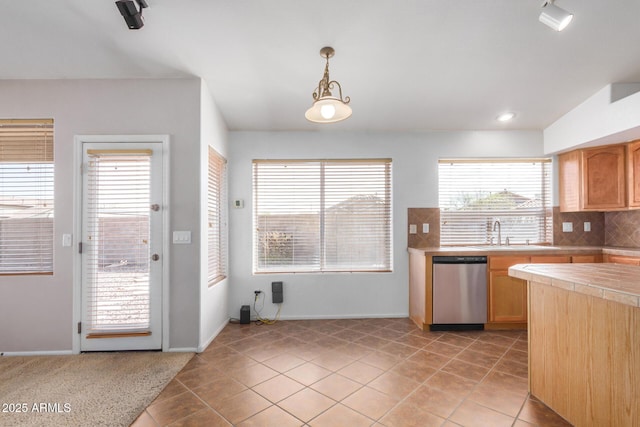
x=121, y=246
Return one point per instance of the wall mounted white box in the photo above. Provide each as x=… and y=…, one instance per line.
x=567, y=227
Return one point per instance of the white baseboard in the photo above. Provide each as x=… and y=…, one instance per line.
x=348, y=316
x=204, y=346
x=37, y=353
x=182, y=350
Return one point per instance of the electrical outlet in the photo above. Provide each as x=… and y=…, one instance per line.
x=567, y=227
x=413, y=229
x=425, y=228
x=587, y=226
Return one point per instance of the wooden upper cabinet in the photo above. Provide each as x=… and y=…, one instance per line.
x=603, y=178
x=570, y=181
x=633, y=174
x=595, y=179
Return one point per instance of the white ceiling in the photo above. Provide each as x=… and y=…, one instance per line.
x=406, y=64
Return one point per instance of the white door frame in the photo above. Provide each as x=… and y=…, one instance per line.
x=77, y=227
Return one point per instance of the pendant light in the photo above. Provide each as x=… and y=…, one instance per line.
x=326, y=107
x=554, y=16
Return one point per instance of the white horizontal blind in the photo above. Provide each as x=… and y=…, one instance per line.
x=474, y=194
x=216, y=218
x=330, y=215
x=26, y=196
x=117, y=243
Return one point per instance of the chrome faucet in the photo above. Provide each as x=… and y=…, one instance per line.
x=497, y=223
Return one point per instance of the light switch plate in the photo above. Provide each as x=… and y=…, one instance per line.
x=587, y=226
x=66, y=240
x=425, y=228
x=413, y=228
x=181, y=237
x=567, y=227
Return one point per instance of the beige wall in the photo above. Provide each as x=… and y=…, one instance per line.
x=36, y=312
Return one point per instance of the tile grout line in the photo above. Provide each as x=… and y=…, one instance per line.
x=329, y=333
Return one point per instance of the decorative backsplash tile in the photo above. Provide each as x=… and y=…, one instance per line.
x=578, y=237
x=622, y=229
x=419, y=216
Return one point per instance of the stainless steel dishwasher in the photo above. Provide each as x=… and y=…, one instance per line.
x=459, y=292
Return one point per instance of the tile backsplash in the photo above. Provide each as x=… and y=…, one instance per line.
x=607, y=228
x=578, y=237
x=419, y=216
x=622, y=229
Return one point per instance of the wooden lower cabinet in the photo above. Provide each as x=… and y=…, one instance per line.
x=507, y=296
x=622, y=259
x=550, y=259
x=586, y=258
x=584, y=361
x=420, y=270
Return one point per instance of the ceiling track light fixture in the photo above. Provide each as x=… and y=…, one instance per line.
x=554, y=16
x=327, y=108
x=132, y=15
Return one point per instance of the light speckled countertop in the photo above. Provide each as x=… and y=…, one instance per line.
x=615, y=282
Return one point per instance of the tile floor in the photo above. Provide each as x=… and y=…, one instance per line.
x=361, y=372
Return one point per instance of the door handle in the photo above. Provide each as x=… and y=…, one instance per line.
x=155, y=257
x=155, y=207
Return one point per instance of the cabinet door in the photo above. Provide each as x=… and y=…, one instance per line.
x=621, y=259
x=586, y=258
x=633, y=174
x=504, y=262
x=549, y=259
x=507, y=298
x=603, y=179
x=569, y=181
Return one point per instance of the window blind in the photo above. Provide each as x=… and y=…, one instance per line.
x=117, y=252
x=216, y=218
x=26, y=196
x=318, y=216
x=474, y=194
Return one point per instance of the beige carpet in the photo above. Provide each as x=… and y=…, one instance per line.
x=93, y=389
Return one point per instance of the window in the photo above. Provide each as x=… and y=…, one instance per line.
x=216, y=218
x=474, y=194
x=319, y=216
x=26, y=196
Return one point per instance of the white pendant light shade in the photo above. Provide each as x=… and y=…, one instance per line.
x=555, y=17
x=327, y=108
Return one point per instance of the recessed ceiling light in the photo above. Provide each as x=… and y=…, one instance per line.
x=505, y=117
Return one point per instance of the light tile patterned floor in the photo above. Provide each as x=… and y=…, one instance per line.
x=360, y=372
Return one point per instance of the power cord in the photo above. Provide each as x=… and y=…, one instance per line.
x=258, y=316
